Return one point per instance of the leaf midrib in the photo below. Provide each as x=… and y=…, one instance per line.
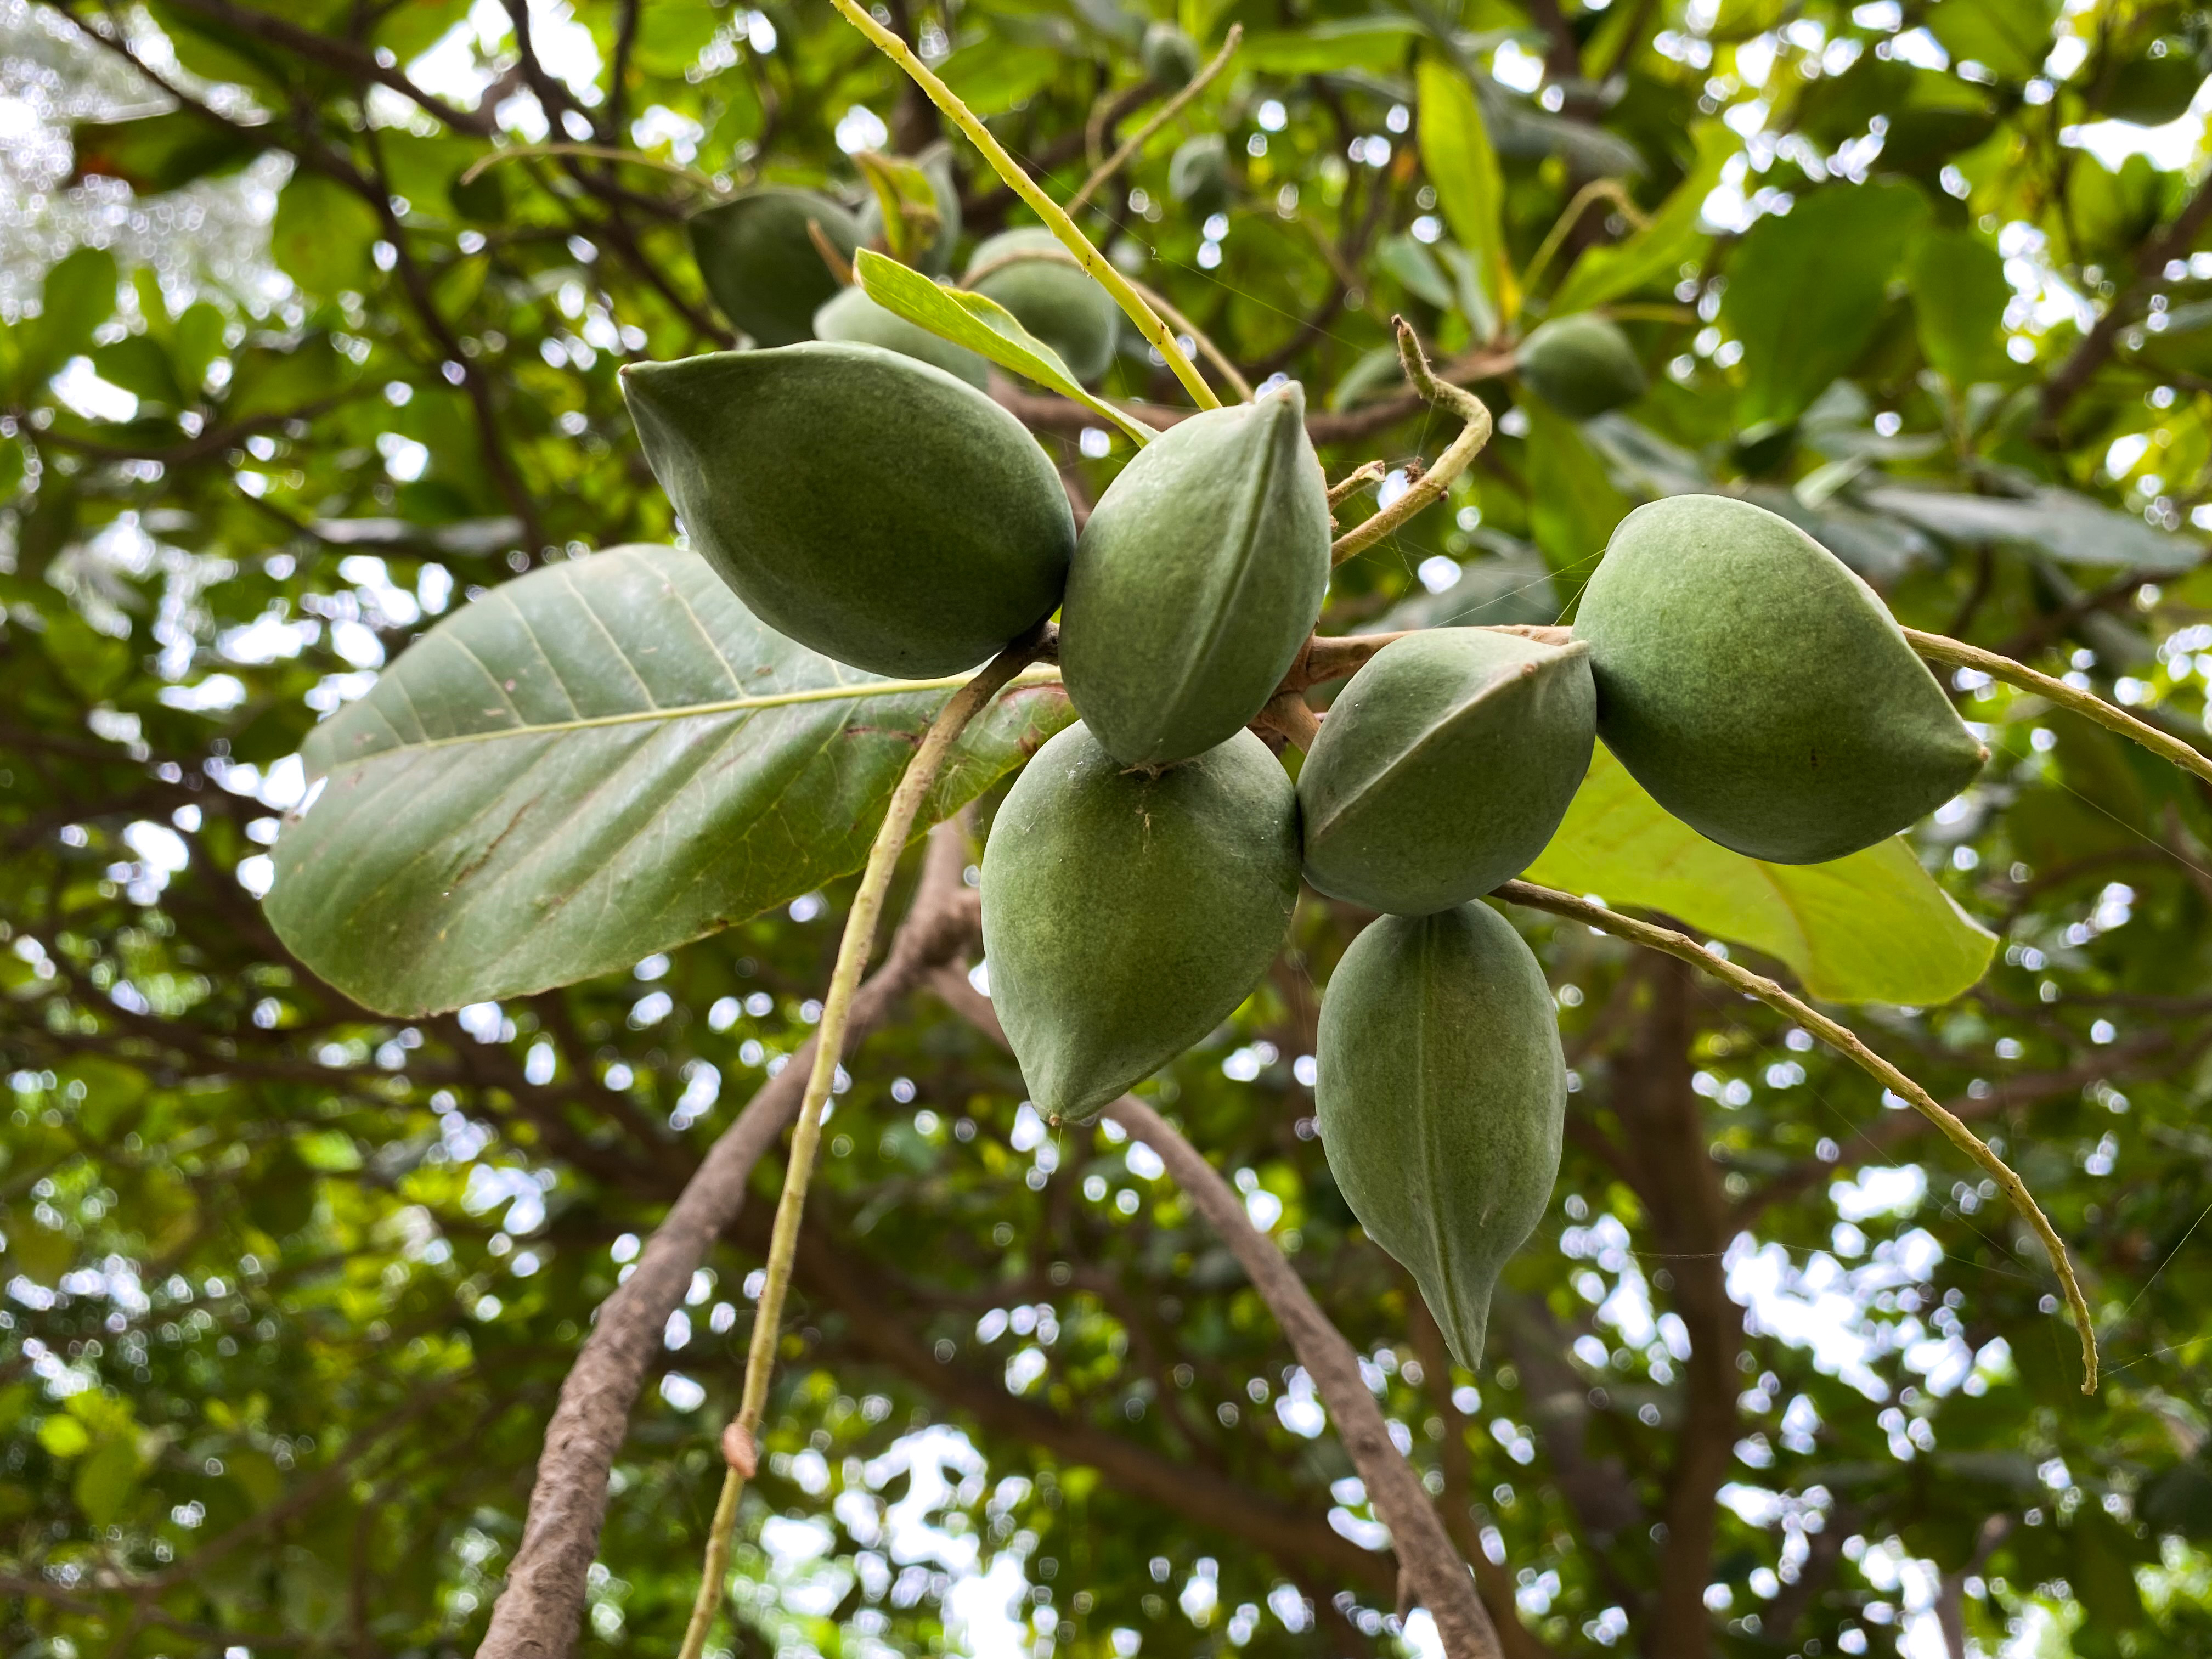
x=1029, y=678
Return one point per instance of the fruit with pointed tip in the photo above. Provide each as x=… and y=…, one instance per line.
x=1197, y=577
x=1127, y=913
x=761, y=265
x=1760, y=689
x=872, y=508
x=1443, y=767
x=852, y=316
x=1442, y=1099
x=1028, y=272
x=1582, y=365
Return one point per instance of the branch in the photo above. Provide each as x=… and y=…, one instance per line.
x=1842, y=1038
x=1166, y=112
x=1430, y=487
x=2082, y=364
x=539, y=1611
x=1439, y=1579
x=354, y=62
x=2086, y=704
x=853, y=948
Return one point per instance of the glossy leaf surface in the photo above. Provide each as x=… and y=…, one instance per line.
x=596, y=762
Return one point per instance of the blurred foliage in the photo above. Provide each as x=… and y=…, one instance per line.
x=291, y=1289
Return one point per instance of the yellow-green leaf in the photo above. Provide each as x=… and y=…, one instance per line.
x=1658, y=250
x=1462, y=167
x=1872, y=927
x=983, y=326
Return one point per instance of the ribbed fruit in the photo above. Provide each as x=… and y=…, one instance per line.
x=1127, y=913
x=761, y=265
x=1441, y=1098
x=1760, y=689
x=1197, y=579
x=1054, y=300
x=852, y=316
x=1443, y=767
x=1582, y=365
x=1170, y=57
x=1197, y=174
x=872, y=508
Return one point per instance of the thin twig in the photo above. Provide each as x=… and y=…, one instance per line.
x=1611, y=188
x=1101, y=269
x=604, y=152
x=1352, y=483
x=1159, y=118
x=1431, y=485
x=2086, y=704
x=1846, y=1041
x=852, y=961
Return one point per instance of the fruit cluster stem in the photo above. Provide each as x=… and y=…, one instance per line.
x=740, y=1438
x=1846, y=1041
x=1101, y=270
x=2087, y=704
x=1166, y=112
x=1430, y=487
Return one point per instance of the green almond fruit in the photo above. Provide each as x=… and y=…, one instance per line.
x=761, y=265
x=1442, y=1099
x=1170, y=55
x=1197, y=579
x=873, y=509
x=1443, y=767
x=1054, y=300
x=1197, y=174
x=852, y=316
x=1127, y=913
x=1582, y=365
x=1760, y=689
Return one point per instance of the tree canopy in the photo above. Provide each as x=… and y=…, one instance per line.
x=311, y=318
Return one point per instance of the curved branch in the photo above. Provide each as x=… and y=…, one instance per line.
x=1847, y=1042
x=1430, y=487
x=1429, y=1567
x=539, y=1611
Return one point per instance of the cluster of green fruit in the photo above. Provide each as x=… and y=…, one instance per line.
x=1141, y=873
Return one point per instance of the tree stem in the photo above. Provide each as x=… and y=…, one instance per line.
x=852, y=951
x=1166, y=112
x=2087, y=704
x=1101, y=269
x=1431, y=485
x=1847, y=1042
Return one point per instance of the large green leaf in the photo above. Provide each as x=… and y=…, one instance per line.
x=1872, y=927
x=1462, y=165
x=2069, y=526
x=1806, y=290
x=1573, y=504
x=982, y=325
x=1658, y=251
x=597, y=761
x=1958, y=297
x=158, y=152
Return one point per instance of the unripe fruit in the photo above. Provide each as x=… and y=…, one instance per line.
x=852, y=316
x=1760, y=689
x=1441, y=1098
x=761, y=265
x=1443, y=767
x=937, y=258
x=1125, y=913
x=1054, y=300
x=866, y=505
x=1582, y=365
x=1196, y=580
x=1198, y=175
x=1170, y=55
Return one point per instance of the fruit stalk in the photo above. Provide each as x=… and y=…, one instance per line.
x=1166, y=112
x=2087, y=704
x=1431, y=485
x=1101, y=270
x=1846, y=1041
x=739, y=1440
